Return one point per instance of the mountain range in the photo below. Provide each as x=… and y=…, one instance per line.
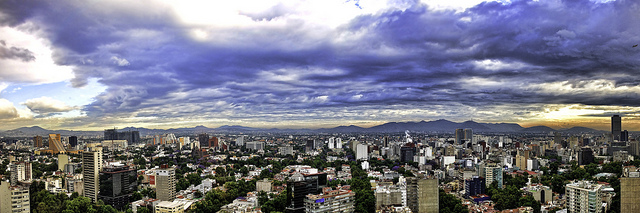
x=442, y=126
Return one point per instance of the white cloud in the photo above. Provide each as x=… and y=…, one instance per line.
x=41, y=70
x=120, y=61
x=7, y=110
x=46, y=105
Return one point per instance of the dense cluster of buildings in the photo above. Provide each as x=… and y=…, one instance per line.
x=407, y=171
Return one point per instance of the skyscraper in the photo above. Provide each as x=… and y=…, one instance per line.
x=468, y=135
x=459, y=136
x=616, y=127
x=204, y=140
x=37, y=141
x=166, y=183
x=91, y=167
x=73, y=141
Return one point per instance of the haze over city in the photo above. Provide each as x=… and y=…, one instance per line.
x=91, y=65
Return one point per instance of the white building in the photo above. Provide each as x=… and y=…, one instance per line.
x=362, y=152
x=338, y=143
x=255, y=145
x=331, y=143
x=584, y=196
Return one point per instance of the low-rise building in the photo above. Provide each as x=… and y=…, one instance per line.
x=342, y=199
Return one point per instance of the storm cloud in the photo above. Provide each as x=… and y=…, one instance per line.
x=276, y=64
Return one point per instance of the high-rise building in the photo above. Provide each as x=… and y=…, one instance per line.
x=423, y=195
x=342, y=199
x=204, y=140
x=117, y=184
x=132, y=137
x=521, y=162
x=91, y=167
x=331, y=143
x=20, y=171
x=407, y=152
x=624, y=135
x=62, y=161
x=240, y=141
x=166, y=183
x=630, y=191
x=616, y=127
x=474, y=186
x=493, y=172
x=557, y=138
x=459, y=136
x=55, y=144
x=301, y=185
x=634, y=147
x=309, y=146
x=73, y=141
x=468, y=135
x=585, y=156
x=362, y=152
x=213, y=141
x=37, y=142
x=583, y=196
x=14, y=198
x=338, y=143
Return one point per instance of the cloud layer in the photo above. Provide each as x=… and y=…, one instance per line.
x=325, y=62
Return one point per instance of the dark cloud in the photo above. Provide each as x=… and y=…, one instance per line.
x=488, y=55
x=15, y=53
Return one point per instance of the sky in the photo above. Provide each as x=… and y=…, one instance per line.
x=91, y=65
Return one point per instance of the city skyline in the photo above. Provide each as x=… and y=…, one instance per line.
x=317, y=64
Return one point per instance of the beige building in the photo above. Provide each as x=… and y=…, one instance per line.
x=13, y=199
x=62, y=161
x=166, y=183
x=521, y=162
x=263, y=185
x=55, y=144
x=169, y=207
x=389, y=196
x=423, y=195
x=630, y=191
x=91, y=167
x=115, y=144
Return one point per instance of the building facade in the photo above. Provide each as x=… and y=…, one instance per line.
x=117, y=184
x=166, y=183
x=14, y=199
x=20, y=171
x=423, y=195
x=91, y=167
x=342, y=199
x=583, y=197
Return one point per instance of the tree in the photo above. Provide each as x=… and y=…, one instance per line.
x=450, y=204
x=194, y=179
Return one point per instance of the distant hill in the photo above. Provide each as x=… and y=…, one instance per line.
x=443, y=126
x=579, y=129
x=538, y=129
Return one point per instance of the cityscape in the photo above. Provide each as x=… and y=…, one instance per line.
x=310, y=106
